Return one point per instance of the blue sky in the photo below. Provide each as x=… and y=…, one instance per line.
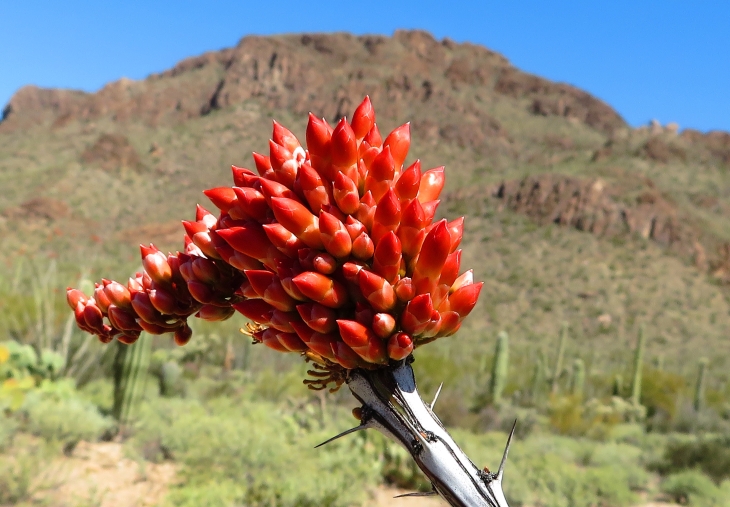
x=667, y=60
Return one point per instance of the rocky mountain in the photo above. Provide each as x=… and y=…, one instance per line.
x=83, y=173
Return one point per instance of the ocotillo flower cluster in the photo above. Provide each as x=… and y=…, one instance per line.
x=331, y=250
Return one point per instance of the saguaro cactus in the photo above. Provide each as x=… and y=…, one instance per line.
x=500, y=368
x=577, y=384
x=130, y=374
x=638, y=367
x=699, y=399
x=538, y=379
x=559, y=359
x=332, y=251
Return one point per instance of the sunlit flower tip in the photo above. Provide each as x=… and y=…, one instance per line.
x=256, y=310
x=435, y=250
x=466, y=278
x=345, y=194
x=456, y=230
x=291, y=342
x=242, y=262
x=319, y=137
x=200, y=291
x=450, y=271
x=383, y=324
x=74, y=296
x=344, y=145
x=387, y=216
x=268, y=337
x=298, y=219
x=127, y=339
x=318, y=317
x=345, y=356
x=204, y=242
x=350, y=271
x=213, y=313
x=242, y=176
x=324, y=263
x=252, y=203
x=163, y=301
x=417, y=314
x=354, y=227
x=284, y=321
x=377, y=290
x=463, y=300
x=382, y=168
x=247, y=291
x=284, y=137
x=433, y=327
x=118, y=294
x=363, y=119
x=191, y=248
x=92, y=316
x=134, y=285
x=429, y=210
x=204, y=216
x=321, y=289
x=102, y=301
x=355, y=334
x=312, y=187
x=450, y=324
x=155, y=263
x=205, y=271
x=285, y=164
x=222, y=197
x=183, y=334
x=387, y=257
x=263, y=165
x=144, y=308
x=400, y=346
x=335, y=236
x=363, y=247
x=283, y=239
x=399, y=142
x=404, y=289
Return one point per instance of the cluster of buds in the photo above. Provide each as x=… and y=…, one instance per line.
x=331, y=250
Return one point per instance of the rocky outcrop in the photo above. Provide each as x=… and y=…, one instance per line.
x=112, y=152
x=416, y=75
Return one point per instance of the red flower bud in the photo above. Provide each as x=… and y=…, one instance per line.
x=354, y=227
x=417, y=314
x=456, y=231
x=205, y=271
x=321, y=289
x=345, y=356
x=144, y=309
x=122, y=319
x=318, y=317
x=313, y=188
x=284, y=321
x=345, y=194
x=268, y=286
x=256, y=310
x=268, y=337
x=387, y=216
x=363, y=119
x=373, y=137
x=462, y=301
x=298, y=219
x=319, y=138
x=400, y=346
x=155, y=263
x=363, y=247
x=74, y=296
x=263, y=165
x=450, y=271
x=252, y=203
x=242, y=177
x=183, y=334
x=382, y=172
x=118, y=294
x=387, y=257
x=163, y=301
x=324, y=263
x=383, y=324
x=406, y=187
x=344, y=145
x=291, y=342
x=404, y=289
x=283, y=239
x=284, y=137
x=432, y=258
x=224, y=198
x=213, y=313
x=335, y=237
x=102, y=301
x=399, y=141
x=92, y=316
x=377, y=290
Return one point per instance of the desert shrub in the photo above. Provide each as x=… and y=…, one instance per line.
x=19, y=467
x=236, y=450
x=56, y=412
x=694, y=488
x=710, y=454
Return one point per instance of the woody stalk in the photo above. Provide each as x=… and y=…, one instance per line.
x=331, y=251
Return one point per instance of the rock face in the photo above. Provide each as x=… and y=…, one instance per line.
x=328, y=74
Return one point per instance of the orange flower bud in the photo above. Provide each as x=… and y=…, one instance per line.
x=298, y=219
x=319, y=139
x=456, y=231
x=373, y=137
x=242, y=177
x=285, y=163
x=321, y=289
x=404, y=289
x=92, y=316
x=450, y=323
x=354, y=227
x=313, y=188
x=382, y=172
x=271, y=188
x=283, y=239
x=345, y=356
x=387, y=215
x=200, y=291
x=118, y=294
x=74, y=296
x=400, y=346
x=268, y=286
x=102, y=301
x=363, y=247
x=417, y=314
x=355, y=334
x=263, y=165
x=432, y=258
x=291, y=342
x=284, y=137
x=450, y=271
x=324, y=263
x=463, y=300
x=399, y=141
x=466, y=278
x=432, y=182
x=406, y=187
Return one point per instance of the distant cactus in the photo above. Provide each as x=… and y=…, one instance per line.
x=618, y=385
x=577, y=384
x=170, y=380
x=699, y=400
x=659, y=362
x=131, y=363
x=538, y=379
x=499, y=368
x=638, y=366
x=559, y=360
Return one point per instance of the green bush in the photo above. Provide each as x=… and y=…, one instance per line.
x=710, y=454
x=56, y=412
x=694, y=488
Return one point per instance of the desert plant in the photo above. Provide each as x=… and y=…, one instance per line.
x=638, y=365
x=578, y=379
x=130, y=374
x=699, y=398
x=332, y=253
x=559, y=358
x=500, y=367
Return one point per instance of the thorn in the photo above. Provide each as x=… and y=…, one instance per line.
x=436, y=396
x=344, y=433
x=506, y=451
x=418, y=493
